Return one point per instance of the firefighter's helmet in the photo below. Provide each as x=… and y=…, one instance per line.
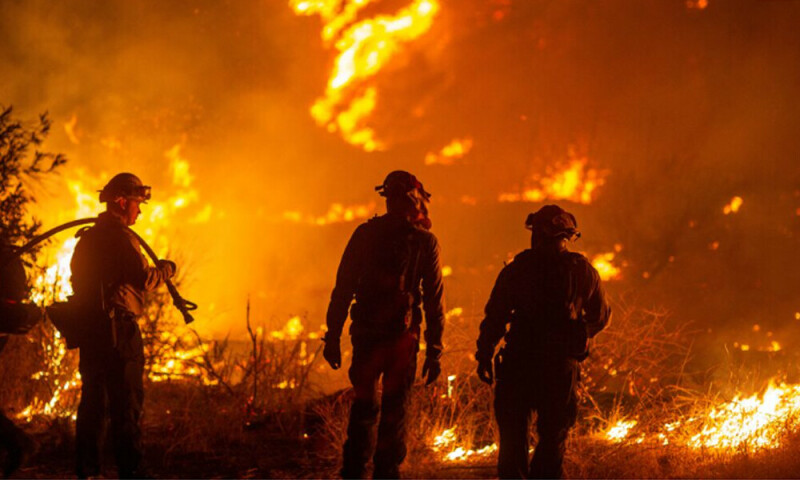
x=125, y=185
x=400, y=183
x=553, y=221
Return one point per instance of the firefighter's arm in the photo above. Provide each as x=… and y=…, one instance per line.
x=136, y=270
x=497, y=315
x=597, y=312
x=432, y=300
x=344, y=290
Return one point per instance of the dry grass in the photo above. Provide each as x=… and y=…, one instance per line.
x=265, y=417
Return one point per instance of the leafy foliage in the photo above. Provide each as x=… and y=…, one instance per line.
x=21, y=162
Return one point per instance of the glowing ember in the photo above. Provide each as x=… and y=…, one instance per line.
x=337, y=213
x=456, y=149
x=286, y=384
x=773, y=346
x=450, y=386
x=364, y=48
x=575, y=183
x=697, y=4
x=733, y=206
x=447, y=270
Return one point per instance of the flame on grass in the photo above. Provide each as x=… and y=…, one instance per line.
x=758, y=421
x=337, y=213
x=363, y=48
x=575, y=182
x=620, y=430
x=62, y=401
x=176, y=361
x=447, y=444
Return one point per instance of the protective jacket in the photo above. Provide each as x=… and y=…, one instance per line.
x=392, y=268
x=109, y=269
x=553, y=301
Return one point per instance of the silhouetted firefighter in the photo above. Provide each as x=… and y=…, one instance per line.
x=110, y=276
x=15, y=318
x=554, y=304
x=384, y=265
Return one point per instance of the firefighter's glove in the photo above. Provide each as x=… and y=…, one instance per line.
x=486, y=370
x=431, y=370
x=168, y=268
x=332, y=352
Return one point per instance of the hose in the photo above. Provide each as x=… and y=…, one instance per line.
x=183, y=305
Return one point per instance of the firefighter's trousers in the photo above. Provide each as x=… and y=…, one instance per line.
x=548, y=387
x=395, y=360
x=112, y=380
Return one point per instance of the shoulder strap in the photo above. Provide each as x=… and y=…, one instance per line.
x=414, y=267
x=575, y=300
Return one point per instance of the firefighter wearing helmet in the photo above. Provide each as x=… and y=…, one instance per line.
x=391, y=268
x=552, y=302
x=110, y=277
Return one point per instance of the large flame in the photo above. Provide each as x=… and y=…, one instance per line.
x=364, y=48
x=54, y=283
